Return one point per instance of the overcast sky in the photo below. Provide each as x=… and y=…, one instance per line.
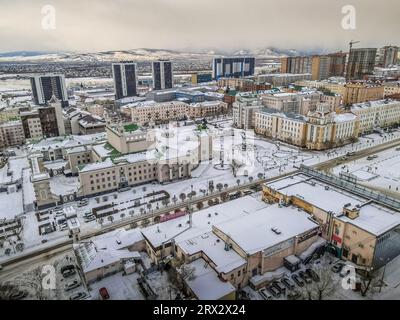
x=95, y=25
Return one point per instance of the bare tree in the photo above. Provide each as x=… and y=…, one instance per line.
x=182, y=196
x=323, y=288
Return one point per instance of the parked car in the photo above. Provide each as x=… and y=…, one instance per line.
x=83, y=202
x=104, y=293
x=274, y=291
x=44, y=240
x=67, y=267
x=337, y=267
x=89, y=218
x=63, y=227
x=298, y=280
x=78, y=296
x=311, y=273
x=59, y=213
x=349, y=154
x=288, y=283
x=72, y=285
x=305, y=277
x=18, y=295
x=68, y=273
x=279, y=286
x=266, y=295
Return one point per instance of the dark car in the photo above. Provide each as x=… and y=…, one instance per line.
x=274, y=291
x=68, y=273
x=288, y=283
x=298, y=280
x=305, y=277
x=279, y=286
x=104, y=293
x=337, y=267
x=311, y=273
x=67, y=268
x=78, y=296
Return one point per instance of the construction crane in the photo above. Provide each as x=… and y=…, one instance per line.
x=350, y=47
x=351, y=44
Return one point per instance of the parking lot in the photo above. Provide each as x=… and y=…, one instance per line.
x=320, y=279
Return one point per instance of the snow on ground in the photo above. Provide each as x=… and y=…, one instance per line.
x=383, y=172
x=119, y=287
x=11, y=204
x=62, y=185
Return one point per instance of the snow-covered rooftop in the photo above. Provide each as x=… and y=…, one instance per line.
x=254, y=233
x=202, y=221
x=205, y=284
x=372, y=218
x=107, y=249
x=214, y=248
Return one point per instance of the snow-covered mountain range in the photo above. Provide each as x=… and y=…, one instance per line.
x=142, y=54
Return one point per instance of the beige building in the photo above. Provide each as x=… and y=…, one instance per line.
x=206, y=109
x=151, y=112
x=133, y=156
x=391, y=88
x=377, y=114
x=326, y=129
x=358, y=229
x=219, y=236
x=287, y=127
x=11, y=134
x=321, y=129
x=109, y=253
x=361, y=92
x=244, y=109
x=293, y=102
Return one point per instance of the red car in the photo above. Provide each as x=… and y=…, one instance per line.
x=104, y=293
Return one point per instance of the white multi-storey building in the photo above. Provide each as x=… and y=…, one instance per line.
x=377, y=114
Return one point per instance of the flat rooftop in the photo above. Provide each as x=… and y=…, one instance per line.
x=202, y=221
x=214, y=248
x=373, y=217
x=254, y=233
x=205, y=284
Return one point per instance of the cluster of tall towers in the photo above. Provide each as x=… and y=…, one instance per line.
x=126, y=79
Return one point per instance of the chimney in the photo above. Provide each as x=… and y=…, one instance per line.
x=351, y=212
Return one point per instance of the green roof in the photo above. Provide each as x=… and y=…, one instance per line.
x=131, y=127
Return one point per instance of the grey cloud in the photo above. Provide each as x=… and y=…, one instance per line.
x=92, y=25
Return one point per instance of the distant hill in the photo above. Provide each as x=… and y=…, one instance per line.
x=141, y=54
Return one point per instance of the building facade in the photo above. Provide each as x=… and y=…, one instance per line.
x=233, y=67
x=361, y=62
x=125, y=79
x=162, y=75
x=11, y=134
x=44, y=87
